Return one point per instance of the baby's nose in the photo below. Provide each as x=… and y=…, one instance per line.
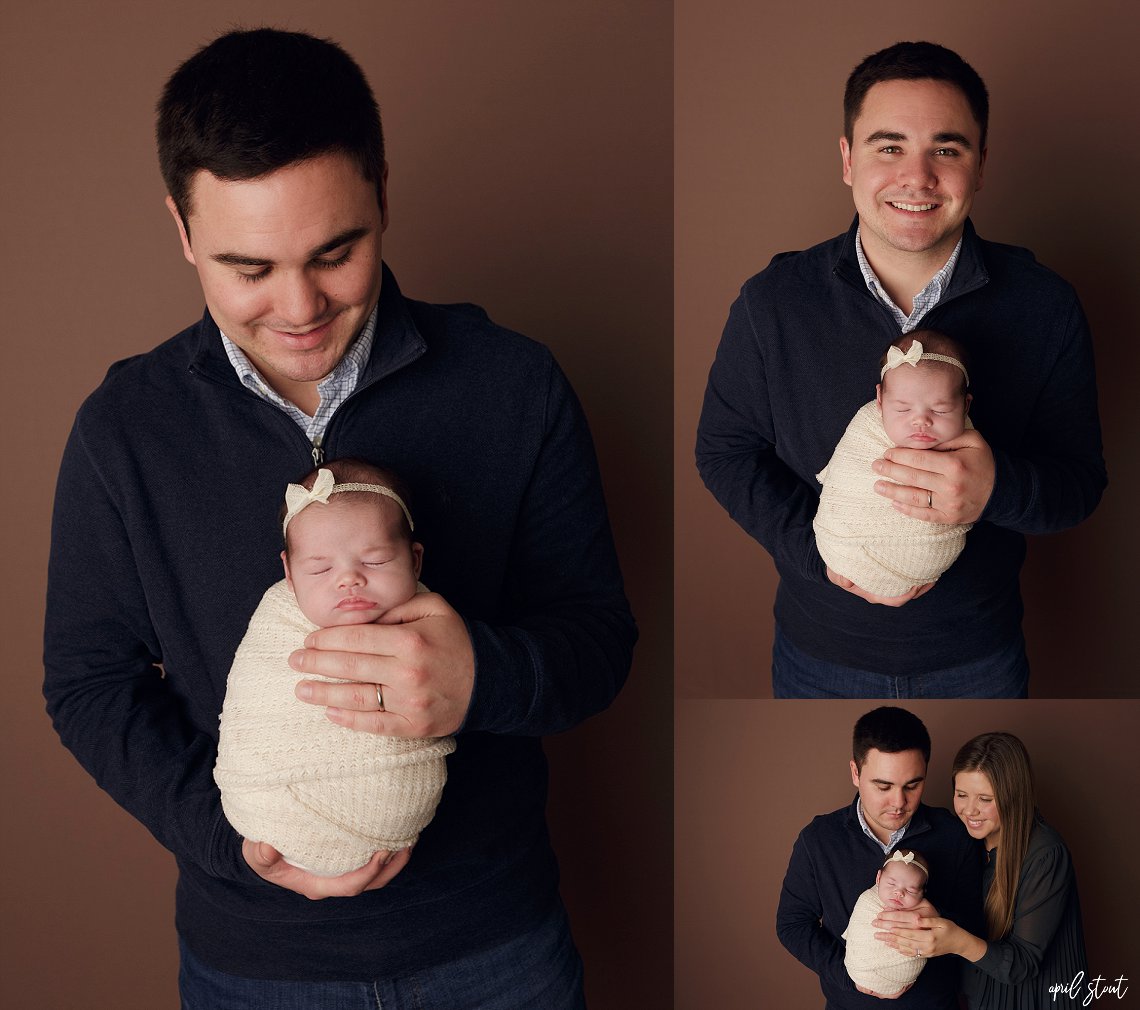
x=350, y=577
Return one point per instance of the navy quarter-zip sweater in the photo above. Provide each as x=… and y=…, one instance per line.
x=166, y=534
x=800, y=354
x=833, y=862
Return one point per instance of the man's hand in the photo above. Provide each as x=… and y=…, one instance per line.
x=269, y=864
x=871, y=992
x=886, y=601
x=950, y=484
x=420, y=656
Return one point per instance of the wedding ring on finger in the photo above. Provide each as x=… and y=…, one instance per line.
x=379, y=699
x=930, y=499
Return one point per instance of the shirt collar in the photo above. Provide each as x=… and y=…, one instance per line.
x=333, y=389
x=896, y=836
x=924, y=301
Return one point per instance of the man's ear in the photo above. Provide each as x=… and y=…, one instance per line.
x=186, y=250
x=854, y=775
x=845, y=155
x=384, y=199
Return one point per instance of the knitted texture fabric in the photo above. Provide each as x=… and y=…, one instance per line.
x=871, y=963
x=326, y=797
x=857, y=532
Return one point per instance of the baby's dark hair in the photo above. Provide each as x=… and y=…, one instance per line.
x=917, y=859
x=933, y=342
x=351, y=470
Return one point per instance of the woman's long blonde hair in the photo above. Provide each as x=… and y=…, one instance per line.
x=1003, y=759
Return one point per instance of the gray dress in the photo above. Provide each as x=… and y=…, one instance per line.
x=1046, y=946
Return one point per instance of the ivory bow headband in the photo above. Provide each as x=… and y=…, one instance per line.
x=297, y=498
x=895, y=357
x=908, y=859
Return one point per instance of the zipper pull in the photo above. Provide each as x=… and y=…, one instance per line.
x=318, y=452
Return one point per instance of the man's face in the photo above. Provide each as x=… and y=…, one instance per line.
x=890, y=787
x=289, y=264
x=913, y=165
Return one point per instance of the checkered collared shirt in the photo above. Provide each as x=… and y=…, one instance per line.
x=334, y=388
x=924, y=301
x=896, y=836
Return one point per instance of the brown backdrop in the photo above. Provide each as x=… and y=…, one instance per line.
x=751, y=774
x=759, y=92
x=530, y=172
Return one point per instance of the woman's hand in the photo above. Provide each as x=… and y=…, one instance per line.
x=918, y=935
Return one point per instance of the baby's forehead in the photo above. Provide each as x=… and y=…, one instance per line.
x=902, y=871
x=925, y=374
x=356, y=509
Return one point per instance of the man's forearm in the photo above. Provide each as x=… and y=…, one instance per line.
x=562, y=646
x=1056, y=478
x=810, y=944
x=112, y=706
x=737, y=460
x=1044, y=495
x=550, y=673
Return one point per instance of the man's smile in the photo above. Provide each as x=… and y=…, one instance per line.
x=913, y=208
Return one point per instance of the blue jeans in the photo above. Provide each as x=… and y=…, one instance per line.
x=540, y=968
x=795, y=674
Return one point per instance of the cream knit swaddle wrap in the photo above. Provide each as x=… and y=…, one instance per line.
x=860, y=536
x=871, y=963
x=326, y=797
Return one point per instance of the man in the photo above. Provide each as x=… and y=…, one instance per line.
x=837, y=856
x=800, y=354
x=166, y=533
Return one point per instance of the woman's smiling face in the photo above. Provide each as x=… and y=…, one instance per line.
x=976, y=807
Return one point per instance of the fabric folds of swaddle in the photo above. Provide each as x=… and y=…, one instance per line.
x=326, y=797
x=857, y=532
x=871, y=963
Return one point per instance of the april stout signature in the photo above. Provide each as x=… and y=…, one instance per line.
x=1094, y=989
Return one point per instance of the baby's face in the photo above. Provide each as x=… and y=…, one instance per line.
x=900, y=886
x=923, y=406
x=350, y=561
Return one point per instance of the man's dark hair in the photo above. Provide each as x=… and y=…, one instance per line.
x=252, y=102
x=890, y=730
x=915, y=61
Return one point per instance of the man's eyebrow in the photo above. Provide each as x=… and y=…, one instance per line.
x=950, y=137
x=945, y=137
x=343, y=238
x=878, y=135
x=888, y=782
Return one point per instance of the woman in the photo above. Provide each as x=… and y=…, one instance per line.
x=1033, y=916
